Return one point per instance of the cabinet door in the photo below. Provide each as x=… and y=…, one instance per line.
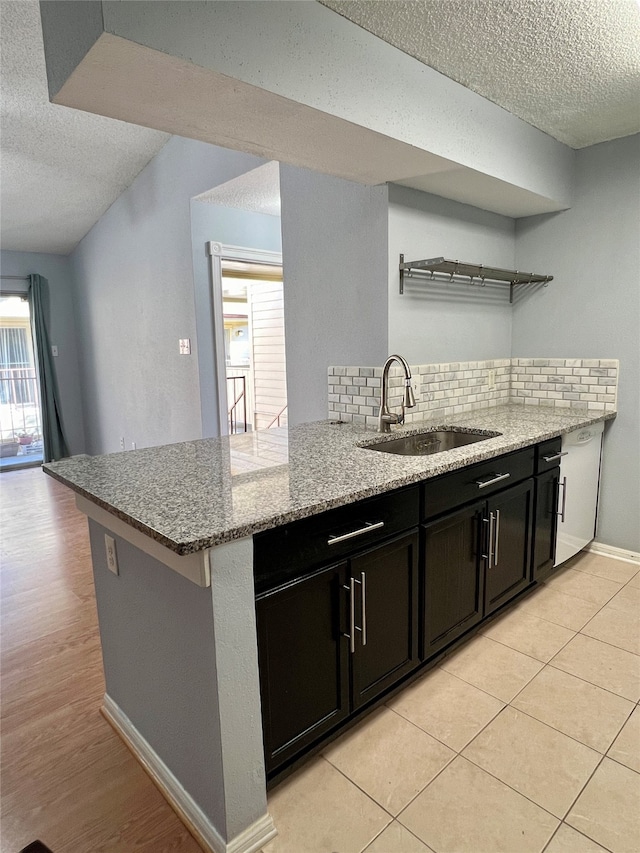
x=508, y=566
x=304, y=662
x=546, y=508
x=386, y=614
x=453, y=573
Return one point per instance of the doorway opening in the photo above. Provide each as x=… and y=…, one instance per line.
x=20, y=414
x=248, y=301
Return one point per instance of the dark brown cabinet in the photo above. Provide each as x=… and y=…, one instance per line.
x=351, y=601
x=546, y=507
x=509, y=517
x=332, y=640
x=386, y=644
x=304, y=662
x=476, y=554
x=453, y=577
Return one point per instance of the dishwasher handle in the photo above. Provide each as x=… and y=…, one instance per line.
x=563, y=485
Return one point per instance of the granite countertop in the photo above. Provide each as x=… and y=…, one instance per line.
x=198, y=494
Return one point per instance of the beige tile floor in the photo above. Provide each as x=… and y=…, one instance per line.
x=527, y=739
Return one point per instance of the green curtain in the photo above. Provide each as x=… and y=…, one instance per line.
x=55, y=445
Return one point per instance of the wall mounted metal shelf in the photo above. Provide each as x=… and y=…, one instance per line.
x=476, y=274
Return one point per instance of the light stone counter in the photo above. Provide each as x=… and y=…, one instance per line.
x=195, y=495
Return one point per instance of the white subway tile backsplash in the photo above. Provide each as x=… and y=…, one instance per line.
x=443, y=390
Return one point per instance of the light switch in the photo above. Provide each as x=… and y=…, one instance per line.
x=54, y=350
x=185, y=346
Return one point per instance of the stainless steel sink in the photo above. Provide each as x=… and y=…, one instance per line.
x=426, y=443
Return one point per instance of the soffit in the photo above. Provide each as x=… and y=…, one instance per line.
x=569, y=68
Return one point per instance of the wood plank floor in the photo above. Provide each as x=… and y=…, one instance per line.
x=66, y=777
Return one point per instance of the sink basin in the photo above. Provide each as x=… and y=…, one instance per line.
x=426, y=443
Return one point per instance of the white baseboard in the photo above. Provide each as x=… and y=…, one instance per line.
x=613, y=552
x=251, y=840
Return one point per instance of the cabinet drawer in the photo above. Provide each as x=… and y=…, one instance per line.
x=476, y=481
x=548, y=454
x=287, y=552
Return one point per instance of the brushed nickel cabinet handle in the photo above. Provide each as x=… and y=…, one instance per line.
x=362, y=583
x=486, y=539
x=489, y=555
x=369, y=526
x=555, y=456
x=497, y=539
x=363, y=590
x=351, y=636
x=495, y=478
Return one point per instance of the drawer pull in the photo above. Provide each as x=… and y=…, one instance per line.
x=370, y=525
x=494, y=478
x=555, y=456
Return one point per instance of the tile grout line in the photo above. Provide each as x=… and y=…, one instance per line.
x=563, y=823
x=592, y=683
x=355, y=785
x=456, y=752
x=571, y=737
x=543, y=662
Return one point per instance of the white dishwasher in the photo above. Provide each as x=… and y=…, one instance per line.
x=578, y=497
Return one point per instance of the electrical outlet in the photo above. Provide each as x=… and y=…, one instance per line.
x=112, y=557
x=121, y=442
x=185, y=346
x=491, y=379
x=417, y=388
x=133, y=445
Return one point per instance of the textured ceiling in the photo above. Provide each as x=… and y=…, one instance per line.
x=568, y=67
x=571, y=68
x=61, y=168
x=257, y=191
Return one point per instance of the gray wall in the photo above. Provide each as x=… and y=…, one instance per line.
x=592, y=308
x=57, y=270
x=231, y=227
x=135, y=297
x=334, y=249
x=168, y=620
x=441, y=322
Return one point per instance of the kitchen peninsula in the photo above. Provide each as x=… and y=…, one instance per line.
x=176, y=600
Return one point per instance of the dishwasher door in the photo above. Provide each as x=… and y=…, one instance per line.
x=578, y=498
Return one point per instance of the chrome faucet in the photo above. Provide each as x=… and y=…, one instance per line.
x=386, y=418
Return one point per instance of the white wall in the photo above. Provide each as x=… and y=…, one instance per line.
x=57, y=270
x=441, y=322
x=592, y=308
x=334, y=252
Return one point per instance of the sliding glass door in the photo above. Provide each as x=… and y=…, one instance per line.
x=20, y=415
